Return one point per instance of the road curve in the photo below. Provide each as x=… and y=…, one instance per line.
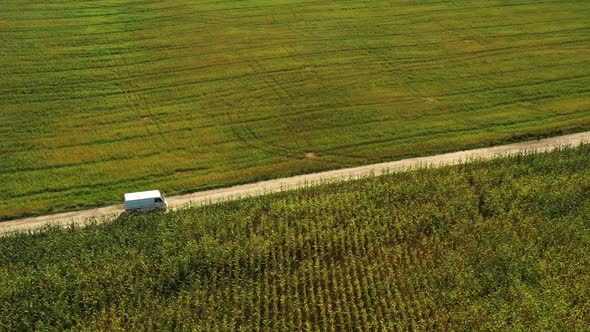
x=265, y=187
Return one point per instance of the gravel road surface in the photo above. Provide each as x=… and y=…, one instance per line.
x=264, y=187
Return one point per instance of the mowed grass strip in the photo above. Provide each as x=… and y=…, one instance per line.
x=98, y=99
x=494, y=246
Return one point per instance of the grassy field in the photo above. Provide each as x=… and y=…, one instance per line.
x=102, y=98
x=500, y=245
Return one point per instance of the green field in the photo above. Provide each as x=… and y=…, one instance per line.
x=501, y=245
x=98, y=98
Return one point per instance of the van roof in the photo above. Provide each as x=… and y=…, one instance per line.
x=142, y=195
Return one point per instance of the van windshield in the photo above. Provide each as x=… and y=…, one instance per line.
x=158, y=200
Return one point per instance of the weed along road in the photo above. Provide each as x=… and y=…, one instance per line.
x=265, y=187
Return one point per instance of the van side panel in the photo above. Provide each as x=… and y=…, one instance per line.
x=140, y=204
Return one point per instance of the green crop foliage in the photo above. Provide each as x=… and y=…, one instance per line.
x=500, y=245
x=102, y=98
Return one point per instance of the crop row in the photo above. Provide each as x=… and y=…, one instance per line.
x=487, y=246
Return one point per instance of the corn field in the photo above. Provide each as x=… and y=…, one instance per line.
x=498, y=245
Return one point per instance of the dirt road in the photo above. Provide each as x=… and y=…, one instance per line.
x=259, y=188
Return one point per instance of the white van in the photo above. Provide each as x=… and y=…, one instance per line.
x=145, y=201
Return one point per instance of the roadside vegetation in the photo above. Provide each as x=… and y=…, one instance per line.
x=98, y=99
x=499, y=245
